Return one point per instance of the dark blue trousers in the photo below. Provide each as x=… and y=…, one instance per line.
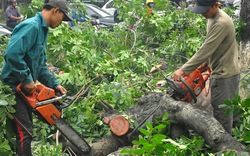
x=23, y=127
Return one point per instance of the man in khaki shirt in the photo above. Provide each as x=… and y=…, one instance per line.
x=219, y=51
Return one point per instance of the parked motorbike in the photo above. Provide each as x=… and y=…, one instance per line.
x=5, y=30
x=100, y=23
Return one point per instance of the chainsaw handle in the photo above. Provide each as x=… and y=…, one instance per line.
x=20, y=89
x=207, y=70
x=204, y=68
x=66, y=102
x=27, y=97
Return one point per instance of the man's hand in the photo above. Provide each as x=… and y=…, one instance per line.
x=29, y=88
x=20, y=18
x=61, y=89
x=177, y=75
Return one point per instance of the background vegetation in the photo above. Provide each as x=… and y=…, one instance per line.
x=114, y=66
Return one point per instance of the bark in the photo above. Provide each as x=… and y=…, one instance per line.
x=199, y=121
x=245, y=16
x=183, y=113
x=245, y=37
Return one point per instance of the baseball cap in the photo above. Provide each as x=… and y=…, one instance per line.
x=62, y=5
x=202, y=6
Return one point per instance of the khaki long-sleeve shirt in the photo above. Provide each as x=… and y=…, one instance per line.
x=219, y=50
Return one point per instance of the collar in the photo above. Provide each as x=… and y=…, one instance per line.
x=216, y=15
x=43, y=22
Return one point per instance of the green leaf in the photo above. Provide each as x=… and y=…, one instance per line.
x=158, y=138
x=5, y=148
x=148, y=147
x=138, y=151
x=176, y=144
x=170, y=147
x=126, y=151
x=3, y=103
x=149, y=126
x=10, y=115
x=135, y=142
x=143, y=141
x=159, y=150
x=145, y=132
x=165, y=116
x=43, y=132
x=160, y=127
x=2, y=114
x=12, y=110
x=246, y=102
x=228, y=102
x=246, y=138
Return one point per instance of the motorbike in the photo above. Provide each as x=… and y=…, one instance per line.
x=5, y=30
x=99, y=24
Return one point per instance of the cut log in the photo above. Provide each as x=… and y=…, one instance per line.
x=119, y=126
x=183, y=113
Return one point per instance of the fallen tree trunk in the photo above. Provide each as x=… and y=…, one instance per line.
x=183, y=113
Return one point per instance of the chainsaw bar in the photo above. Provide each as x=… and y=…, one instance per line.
x=72, y=136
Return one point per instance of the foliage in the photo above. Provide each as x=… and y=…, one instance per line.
x=240, y=108
x=5, y=148
x=154, y=142
x=46, y=150
x=6, y=102
x=42, y=131
x=32, y=8
x=6, y=110
x=3, y=44
x=113, y=66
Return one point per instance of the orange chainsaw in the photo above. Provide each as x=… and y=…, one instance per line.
x=189, y=86
x=46, y=105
